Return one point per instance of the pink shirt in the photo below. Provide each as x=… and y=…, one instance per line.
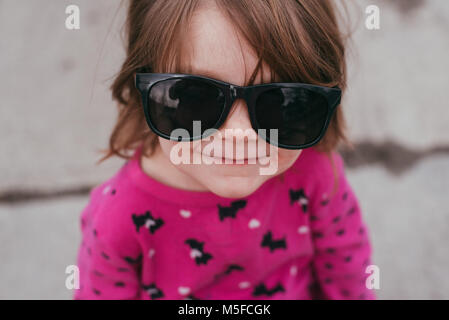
x=290, y=239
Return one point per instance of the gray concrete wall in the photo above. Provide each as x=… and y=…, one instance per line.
x=56, y=112
x=56, y=108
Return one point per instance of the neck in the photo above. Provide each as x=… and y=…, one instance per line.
x=158, y=166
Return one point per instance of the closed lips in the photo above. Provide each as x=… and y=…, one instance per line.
x=234, y=159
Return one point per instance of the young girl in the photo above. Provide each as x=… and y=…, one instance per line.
x=165, y=229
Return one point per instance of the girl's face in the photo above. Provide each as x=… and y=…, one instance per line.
x=217, y=51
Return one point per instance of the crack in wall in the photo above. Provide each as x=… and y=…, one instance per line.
x=19, y=196
x=395, y=158
x=406, y=7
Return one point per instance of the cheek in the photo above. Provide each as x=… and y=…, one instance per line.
x=287, y=157
x=167, y=146
x=180, y=154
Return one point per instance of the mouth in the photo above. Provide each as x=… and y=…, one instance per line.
x=234, y=161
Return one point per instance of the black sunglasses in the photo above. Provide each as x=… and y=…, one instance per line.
x=300, y=112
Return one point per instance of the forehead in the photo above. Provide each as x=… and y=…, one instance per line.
x=214, y=48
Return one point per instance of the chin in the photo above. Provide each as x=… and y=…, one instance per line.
x=235, y=187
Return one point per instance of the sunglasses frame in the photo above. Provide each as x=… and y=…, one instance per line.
x=145, y=81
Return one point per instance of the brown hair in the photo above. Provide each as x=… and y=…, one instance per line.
x=300, y=40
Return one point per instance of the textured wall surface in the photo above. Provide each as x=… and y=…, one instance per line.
x=56, y=112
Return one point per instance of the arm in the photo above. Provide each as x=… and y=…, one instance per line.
x=106, y=241
x=341, y=238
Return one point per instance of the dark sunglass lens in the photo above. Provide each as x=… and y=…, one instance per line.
x=176, y=103
x=299, y=114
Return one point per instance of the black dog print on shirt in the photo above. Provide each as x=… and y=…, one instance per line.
x=131, y=260
x=230, y=268
x=300, y=197
x=146, y=220
x=153, y=291
x=233, y=267
x=197, y=251
x=273, y=244
x=231, y=211
x=261, y=289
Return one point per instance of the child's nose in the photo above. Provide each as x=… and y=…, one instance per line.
x=238, y=124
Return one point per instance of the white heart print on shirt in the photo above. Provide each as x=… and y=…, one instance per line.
x=244, y=284
x=254, y=223
x=303, y=229
x=106, y=189
x=183, y=290
x=185, y=213
x=293, y=270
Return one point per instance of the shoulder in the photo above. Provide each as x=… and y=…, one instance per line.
x=110, y=194
x=108, y=213
x=318, y=167
x=319, y=175
x=323, y=178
